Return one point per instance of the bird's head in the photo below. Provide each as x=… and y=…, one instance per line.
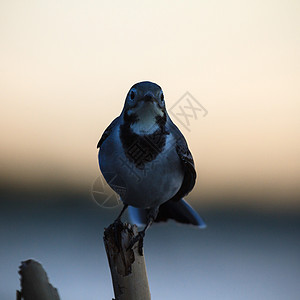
x=145, y=107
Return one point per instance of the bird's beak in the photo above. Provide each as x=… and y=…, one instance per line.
x=149, y=97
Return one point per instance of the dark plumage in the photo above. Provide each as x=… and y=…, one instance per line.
x=149, y=153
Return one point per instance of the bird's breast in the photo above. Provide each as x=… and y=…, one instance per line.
x=146, y=168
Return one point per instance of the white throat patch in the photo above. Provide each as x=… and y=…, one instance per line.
x=145, y=126
x=146, y=123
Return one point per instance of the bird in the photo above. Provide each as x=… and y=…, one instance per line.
x=145, y=159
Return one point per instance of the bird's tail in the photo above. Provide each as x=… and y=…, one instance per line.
x=180, y=211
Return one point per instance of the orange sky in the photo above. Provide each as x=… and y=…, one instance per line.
x=66, y=66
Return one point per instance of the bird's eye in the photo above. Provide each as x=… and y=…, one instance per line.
x=132, y=95
x=162, y=98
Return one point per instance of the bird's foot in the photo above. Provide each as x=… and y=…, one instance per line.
x=138, y=238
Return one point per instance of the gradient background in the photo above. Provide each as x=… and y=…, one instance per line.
x=65, y=69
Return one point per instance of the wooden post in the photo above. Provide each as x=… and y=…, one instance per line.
x=34, y=283
x=127, y=267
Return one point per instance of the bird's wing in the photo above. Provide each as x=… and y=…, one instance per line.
x=107, y=131
x=187, y=163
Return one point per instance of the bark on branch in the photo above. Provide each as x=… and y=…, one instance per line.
x=34, y=283
x=127, y=267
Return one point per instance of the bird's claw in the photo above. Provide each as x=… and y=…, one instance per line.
x=138, y=238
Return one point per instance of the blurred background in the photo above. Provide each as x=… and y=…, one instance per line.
x=65, y=69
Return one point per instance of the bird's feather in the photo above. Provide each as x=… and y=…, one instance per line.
x=107, y=131
x=179, y=211
x=187, y=163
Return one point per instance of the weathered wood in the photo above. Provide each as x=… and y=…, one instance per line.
x=127, y=266
x=34, y=283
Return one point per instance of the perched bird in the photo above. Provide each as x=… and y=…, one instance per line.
x=144, y=157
